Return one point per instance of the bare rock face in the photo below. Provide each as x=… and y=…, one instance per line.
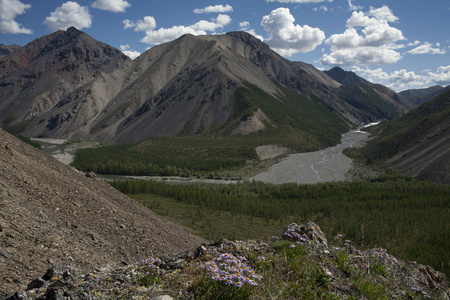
x=37, y=77
x=7, y=50
x=50, y=214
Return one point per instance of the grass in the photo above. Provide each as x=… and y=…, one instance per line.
x=212, y=224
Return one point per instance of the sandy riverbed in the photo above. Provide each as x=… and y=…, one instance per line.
x=329, y=164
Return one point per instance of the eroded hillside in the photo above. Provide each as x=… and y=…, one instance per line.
x=51, y=213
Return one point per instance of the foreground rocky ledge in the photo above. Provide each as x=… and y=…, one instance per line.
x=335, y=272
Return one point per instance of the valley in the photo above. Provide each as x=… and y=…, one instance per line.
x=329, y=164
x=237, y=142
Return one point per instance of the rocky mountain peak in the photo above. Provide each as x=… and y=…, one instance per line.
x=345, y=77
x=39, y=75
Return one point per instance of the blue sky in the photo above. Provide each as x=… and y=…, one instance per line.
x=401, y=44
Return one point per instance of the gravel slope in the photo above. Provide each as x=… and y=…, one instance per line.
x=51, y=213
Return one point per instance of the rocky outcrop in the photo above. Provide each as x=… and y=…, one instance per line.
x=342, y=271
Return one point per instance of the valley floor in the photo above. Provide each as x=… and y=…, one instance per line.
x=329, y=164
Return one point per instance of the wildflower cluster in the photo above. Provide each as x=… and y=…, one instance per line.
x=380, y=252
x=232, y=270
x=291, y=234
x=418, y=289
x=152, y=274
x=152, y=263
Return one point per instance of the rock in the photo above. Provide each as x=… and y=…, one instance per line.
x=35, y=284
x=164, y=297
x=310, y=230
x=90, y=175
x=49, y=274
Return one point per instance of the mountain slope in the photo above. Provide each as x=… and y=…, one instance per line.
x=374, y=100
x=200, y=96
x=421, y=96
x=39, y=76
x=186, y=85
x=50, y=213
x=7, y=50
x=418, y=144
x=69, y=85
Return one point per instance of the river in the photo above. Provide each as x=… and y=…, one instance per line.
x=329, y=164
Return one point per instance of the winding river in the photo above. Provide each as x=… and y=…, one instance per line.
x=329, y=164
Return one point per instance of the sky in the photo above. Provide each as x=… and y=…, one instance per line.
x=403, y=44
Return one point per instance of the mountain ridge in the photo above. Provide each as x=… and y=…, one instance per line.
x=38, y=76
x=183, y=86
x=417, y=144
x=421, y=96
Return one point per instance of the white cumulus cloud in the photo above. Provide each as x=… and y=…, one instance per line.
x=111, y=5
x=369, y=39
x=162, y=35
x=129, y=52
x=214, y=9
x=245, y=26
x=427, y=48
x=288, y=38
x=403, y=79
x=9, y=10
x=69, y=14
x=147, y=24
x=352, y=6
x=441, y=76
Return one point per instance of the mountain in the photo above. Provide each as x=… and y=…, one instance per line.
x=418, y=144
x=377, y=101
x=38, y=76
x=345, y=77
x=187, y=86
x=50, y=213
x=420, y=96
x=7, y=50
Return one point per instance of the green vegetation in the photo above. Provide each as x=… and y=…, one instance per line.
x=368, y=101
x=297, y=123
x=168, y=156
x=430, y=120
x=407, y=215
x=29, y=141
x=294, y=272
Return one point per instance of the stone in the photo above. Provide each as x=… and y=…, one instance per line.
x=163, y=297
x=49, y=274
x=35, y=284
x=90, y=175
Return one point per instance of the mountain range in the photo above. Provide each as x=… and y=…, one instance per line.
x=417, y=144
x=67, y=85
